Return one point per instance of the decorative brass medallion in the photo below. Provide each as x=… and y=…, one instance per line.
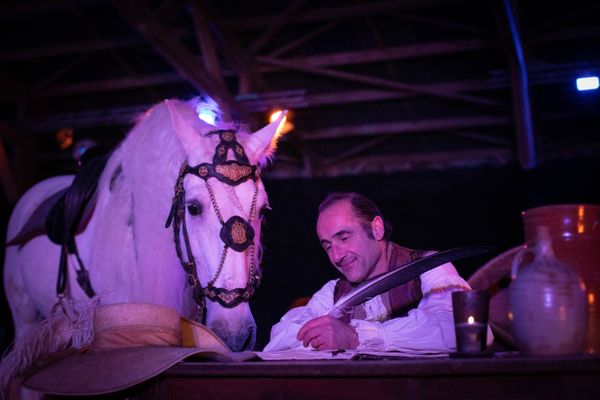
x=238, y=232
x=227, y=136
x=203, y=171
x=233, y=171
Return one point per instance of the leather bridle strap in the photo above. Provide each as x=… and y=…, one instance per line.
x=236, y=233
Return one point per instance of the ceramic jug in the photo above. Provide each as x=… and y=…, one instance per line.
x=575, y=233
x=548, y=302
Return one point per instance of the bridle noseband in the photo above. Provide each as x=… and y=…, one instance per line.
x=236, y=233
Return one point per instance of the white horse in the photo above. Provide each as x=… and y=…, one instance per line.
x=130, y=255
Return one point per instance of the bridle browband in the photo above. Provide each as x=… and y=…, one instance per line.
x=236, y=233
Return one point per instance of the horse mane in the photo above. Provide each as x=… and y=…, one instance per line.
x=152, y=134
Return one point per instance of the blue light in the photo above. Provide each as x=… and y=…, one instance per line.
x=207, y=116
x=587, y=83
x=208, y=110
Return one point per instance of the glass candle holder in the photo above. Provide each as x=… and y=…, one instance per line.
x=470, y=310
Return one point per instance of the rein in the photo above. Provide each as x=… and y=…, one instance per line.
x=236, y=233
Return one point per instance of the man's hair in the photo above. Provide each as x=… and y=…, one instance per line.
x=362, y=207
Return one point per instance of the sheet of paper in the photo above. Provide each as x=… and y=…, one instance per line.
x=345, y=355
x=305, y=355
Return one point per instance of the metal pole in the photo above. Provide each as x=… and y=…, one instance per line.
x=522, y=107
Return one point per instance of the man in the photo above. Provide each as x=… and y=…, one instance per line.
x=416, y=316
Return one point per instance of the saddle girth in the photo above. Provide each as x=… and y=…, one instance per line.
x=402, y=298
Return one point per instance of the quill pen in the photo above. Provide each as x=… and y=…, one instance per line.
x=384, y=282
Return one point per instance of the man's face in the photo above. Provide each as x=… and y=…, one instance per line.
x=348, y=247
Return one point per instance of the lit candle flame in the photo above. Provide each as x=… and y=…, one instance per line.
x=470, y=320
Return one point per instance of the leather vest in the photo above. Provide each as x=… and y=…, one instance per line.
x=402, y=298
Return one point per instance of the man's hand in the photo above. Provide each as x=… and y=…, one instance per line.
x=328, y=333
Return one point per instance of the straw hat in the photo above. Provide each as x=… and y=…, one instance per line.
x=132, y=343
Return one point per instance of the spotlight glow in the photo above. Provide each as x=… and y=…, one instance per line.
x=587, y=83
x=208, y=110
x=207, y=116
x=275, y=114
x=285, y=125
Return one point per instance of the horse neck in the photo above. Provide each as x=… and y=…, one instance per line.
x=134, y=200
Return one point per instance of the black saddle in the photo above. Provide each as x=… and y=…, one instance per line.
x=65, y=214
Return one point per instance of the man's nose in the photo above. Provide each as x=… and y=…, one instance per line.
x=336, y=254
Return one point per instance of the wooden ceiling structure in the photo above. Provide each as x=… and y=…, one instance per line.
x=372, y=86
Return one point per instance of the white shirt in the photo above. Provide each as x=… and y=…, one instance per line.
x=428, y=327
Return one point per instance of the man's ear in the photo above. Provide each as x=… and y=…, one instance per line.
x=378, y=228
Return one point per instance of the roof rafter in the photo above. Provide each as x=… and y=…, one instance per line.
x=353, y=77
x=176, y=54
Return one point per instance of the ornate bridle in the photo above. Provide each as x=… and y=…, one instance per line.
x=236, y=233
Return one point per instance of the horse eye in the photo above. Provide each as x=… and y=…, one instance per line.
x=194, y=208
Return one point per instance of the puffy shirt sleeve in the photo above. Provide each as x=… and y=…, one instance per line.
x=283, y=334
x=428, y=327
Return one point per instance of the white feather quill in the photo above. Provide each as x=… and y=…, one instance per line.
x=384, y=282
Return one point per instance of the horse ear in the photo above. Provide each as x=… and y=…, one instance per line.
x=186, y=123
x=263, y=142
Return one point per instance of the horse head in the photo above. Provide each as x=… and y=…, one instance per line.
x=216, y=217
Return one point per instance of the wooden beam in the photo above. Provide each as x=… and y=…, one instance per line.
x=481, y=138
x=364, y=79
x=394, y=163
x=85, y=46
x=273, y=29
x=109, y=85
x=396, y=128
x=117, y=116
x=392, y=53
x=420, y=161
x=356, y=150
x=344, y=11
x=300, y=99
x=205, y=41
x=540, y=75
x=306, y=38
x=249, y=78
x=177, y=55
x=58, y=72
x=379, y=44
x=441, y=24
x=264, y=101
x=124, y=116
x=567, y=34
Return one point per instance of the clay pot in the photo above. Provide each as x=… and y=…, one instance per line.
x=575, y=233
x=548, y=302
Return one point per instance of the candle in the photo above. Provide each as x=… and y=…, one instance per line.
x=470, y=338
x=470, y=310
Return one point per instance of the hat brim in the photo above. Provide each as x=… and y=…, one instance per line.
x=101, y=372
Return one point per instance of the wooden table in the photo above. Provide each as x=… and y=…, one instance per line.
x=510, y=377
